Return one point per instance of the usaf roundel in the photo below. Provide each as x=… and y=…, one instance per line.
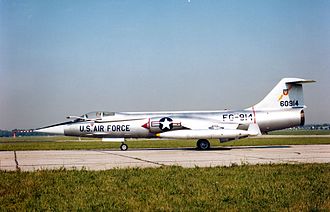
x=165, y=124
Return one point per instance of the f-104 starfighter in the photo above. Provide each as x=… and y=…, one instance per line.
x=282, y=108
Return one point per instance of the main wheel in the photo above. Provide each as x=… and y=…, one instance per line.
x=203, y=144
x=123, y=147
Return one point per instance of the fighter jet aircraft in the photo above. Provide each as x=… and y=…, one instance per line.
x=282, y=108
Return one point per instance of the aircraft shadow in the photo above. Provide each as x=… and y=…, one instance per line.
x=227, y=148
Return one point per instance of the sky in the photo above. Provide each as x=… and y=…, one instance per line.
x=68, y=57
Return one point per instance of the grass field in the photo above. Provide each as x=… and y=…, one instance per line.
x=69, y=143
x=300, y=132
x=304, y=187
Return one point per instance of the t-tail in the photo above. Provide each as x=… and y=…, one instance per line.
x=288, y=93
x=282, y=107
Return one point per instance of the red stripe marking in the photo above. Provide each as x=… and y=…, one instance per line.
x=254, y=115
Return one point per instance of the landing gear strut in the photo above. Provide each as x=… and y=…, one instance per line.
x=203, y=144
x=123, y=147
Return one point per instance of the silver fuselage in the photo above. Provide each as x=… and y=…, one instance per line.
x=130, y=124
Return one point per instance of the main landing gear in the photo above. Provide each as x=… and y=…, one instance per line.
x=123, y=147
x=203, y=144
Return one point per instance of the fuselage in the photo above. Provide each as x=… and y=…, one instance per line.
x=146, y=124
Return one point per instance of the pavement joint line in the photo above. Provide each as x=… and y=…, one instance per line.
x=247, y=156
x=135, y=158
x=16, y=162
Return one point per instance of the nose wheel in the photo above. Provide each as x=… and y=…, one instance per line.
x=123, y=147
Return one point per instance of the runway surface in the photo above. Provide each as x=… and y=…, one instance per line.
x=185, y=157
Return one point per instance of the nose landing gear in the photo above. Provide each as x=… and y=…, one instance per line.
x=123, y=147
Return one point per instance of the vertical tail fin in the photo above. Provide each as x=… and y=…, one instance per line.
x=288, y=93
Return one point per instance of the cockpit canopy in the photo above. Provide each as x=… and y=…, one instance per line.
x=92, y=116
x=97, y=115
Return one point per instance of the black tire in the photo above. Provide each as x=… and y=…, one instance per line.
x=123, y=147
x=203, y=144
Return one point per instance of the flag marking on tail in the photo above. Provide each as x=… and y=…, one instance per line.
x=285, y=92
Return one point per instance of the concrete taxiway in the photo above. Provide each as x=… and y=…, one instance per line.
x=185, y=157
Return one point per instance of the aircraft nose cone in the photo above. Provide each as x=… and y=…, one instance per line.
x=58, y=130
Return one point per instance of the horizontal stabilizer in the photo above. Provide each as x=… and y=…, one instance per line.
x=300, y=81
